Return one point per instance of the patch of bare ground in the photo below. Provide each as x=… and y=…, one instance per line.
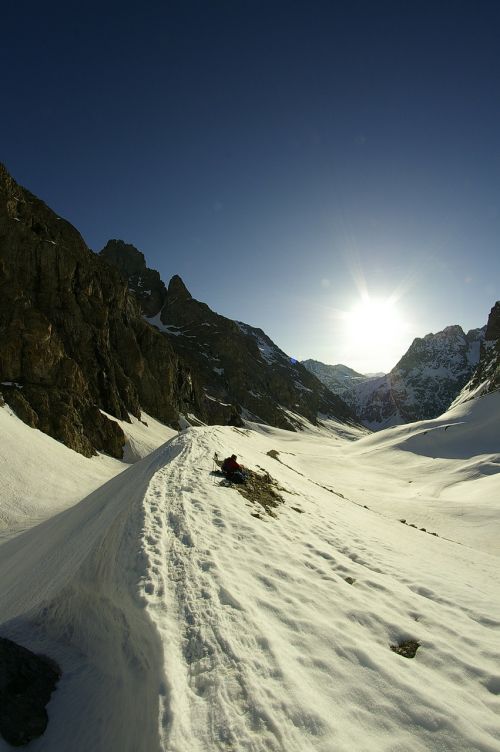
x=261, y=489
x=406, y=648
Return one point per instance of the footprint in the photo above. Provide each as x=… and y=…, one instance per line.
x=227, y=599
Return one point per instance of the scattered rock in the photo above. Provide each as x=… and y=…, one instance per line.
x=273, y=453
x=350, y=580
x=406, y=648
x=27, y=681
x=422, y=529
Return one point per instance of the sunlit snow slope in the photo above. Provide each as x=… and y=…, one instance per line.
x=184, y=623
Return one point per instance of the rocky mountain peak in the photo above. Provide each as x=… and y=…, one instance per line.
x=125, y=256
x=493, y=326
x=6, y=181
x=145, y=283
x=177, y=290
x=486, y=377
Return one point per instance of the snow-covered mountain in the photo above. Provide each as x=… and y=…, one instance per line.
x=184, y=616
x=422, y=385
x=339, y=379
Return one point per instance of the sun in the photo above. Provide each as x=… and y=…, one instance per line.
x=374, y=321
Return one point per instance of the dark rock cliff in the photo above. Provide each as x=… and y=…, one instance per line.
x=145, y=283
x=72, y=339
x=486, y=377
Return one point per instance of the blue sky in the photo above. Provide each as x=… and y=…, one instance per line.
x=283, y=157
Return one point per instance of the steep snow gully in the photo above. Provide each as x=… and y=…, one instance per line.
x=184, y=623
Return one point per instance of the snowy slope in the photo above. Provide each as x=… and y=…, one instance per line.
x=184, y=623
x=441, y=474
x=40, y=476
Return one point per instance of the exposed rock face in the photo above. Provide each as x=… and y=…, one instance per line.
x=422, y=385
x=72, y=339
x=486, y=377
x=145, y=283
x=243, y=372
x=26, y=684
x=492, y=333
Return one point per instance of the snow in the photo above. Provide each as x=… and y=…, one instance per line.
x=215, y=399
x=142, y=436
x=268, y=351
x=184, y=623
x=301, y=387
x=167, y=328
x=40, y=476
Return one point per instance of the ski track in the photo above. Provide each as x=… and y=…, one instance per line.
x=223, y=676
x=215, y=703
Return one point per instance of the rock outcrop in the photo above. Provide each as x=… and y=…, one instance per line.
x=73, y=342
x=486, y=377
x=27, y=681
x=145, y=283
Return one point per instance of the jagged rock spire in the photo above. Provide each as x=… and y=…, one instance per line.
x=177, y=290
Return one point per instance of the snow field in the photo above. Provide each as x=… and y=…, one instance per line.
x=182, y=623
x=274, y=650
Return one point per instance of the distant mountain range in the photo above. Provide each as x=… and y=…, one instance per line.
x=421, y=385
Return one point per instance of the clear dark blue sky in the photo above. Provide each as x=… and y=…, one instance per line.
x=280, y=156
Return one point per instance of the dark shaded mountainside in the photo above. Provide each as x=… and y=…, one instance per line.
x=74, y=341
x=421, y=386
x=486, y=377
x=236, y=363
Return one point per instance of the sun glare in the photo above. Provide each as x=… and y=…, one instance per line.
x=374, y=321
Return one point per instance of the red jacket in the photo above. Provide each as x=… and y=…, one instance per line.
x=230, y=466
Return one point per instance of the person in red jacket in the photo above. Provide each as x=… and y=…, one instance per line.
x=232, y=470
